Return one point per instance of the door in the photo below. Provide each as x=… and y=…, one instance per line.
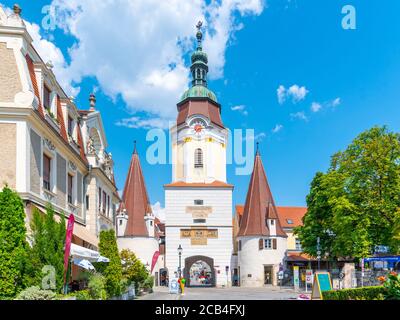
x=268, y=275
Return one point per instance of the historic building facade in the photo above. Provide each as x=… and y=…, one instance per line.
x=198, y=201
x=51, y=152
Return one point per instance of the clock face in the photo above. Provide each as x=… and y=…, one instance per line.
x=198, y=126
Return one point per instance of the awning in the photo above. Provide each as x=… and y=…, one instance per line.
x=392, y=259
x=78, y=252
x=83, y=263
x=84, y=234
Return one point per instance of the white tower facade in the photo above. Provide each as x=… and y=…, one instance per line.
x=198, y=202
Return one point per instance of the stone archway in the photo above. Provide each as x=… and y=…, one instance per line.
x=208, y=264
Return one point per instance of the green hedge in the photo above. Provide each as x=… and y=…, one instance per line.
x=365, y=293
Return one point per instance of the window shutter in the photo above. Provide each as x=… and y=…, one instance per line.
x=274, y=244
x=239, y=245
x=260, y=244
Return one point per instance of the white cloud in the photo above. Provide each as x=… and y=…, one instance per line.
x=240, y=108
x=296, y=92
x=158, y=211
x=281, y=93
x=315, y=107
x=257, y=137
x=299, y=115
x=50, y=52
x=277, y=128
x=136, y=122
x=335, y=102
x=136, y=49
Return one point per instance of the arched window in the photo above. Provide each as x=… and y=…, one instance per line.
x=198, y=158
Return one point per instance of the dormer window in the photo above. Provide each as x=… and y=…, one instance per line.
x=47, y=98
x=70, y=126
x=198, y=158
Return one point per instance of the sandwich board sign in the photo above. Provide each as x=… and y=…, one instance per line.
x=322, y=282
x=174, y=286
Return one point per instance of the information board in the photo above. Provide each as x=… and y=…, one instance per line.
x=322, y=282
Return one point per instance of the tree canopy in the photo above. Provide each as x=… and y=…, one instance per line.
x=48, y=238
x=113, y=270
x=354, y=206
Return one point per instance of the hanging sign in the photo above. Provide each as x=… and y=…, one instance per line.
x=322, y=282
x=68, y=240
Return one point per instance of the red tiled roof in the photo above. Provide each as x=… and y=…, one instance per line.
x=135, y=199
x=203, y=107
x=296, y=256
x=80, y=143
x=285, y=213
x=259, y=205
x=60, y=118
x=34, y=83
x=295, y=214
x=214, y=184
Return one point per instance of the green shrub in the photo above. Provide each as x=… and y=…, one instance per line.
x=113, y=271
x=392, y=286
x=149, y=283
x=97, y=287
x=35, y=293
x=365, y=293
x=13, y=244
x=83, y=295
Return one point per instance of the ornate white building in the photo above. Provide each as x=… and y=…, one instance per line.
x=198, y=201
x=51, y=152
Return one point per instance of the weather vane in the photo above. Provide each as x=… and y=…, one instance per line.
x=199, y=25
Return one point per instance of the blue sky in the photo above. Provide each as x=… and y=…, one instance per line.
x=283, y=43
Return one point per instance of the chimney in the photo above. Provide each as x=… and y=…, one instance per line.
x=92, y=100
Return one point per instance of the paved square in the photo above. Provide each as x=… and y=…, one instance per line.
x=235, y=293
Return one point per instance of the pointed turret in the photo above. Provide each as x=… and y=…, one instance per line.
x=135, y=200
x=260, y=206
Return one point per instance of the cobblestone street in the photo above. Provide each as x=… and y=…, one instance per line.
x=235, y=293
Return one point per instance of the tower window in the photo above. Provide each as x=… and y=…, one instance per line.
x=198, y=158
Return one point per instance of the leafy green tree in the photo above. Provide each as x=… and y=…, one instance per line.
x=355, y=205
x=113, y=270
x=133, y=269
x=12, y=243
x=48, y=239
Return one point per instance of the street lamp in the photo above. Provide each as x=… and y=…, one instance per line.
x=180, y=258
x=318, y=253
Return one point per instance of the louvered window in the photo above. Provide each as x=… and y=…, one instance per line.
x=198, y=158
x=46, y=172
x=70, y=186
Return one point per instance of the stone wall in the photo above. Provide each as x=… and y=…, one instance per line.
x=10, y=82
x=8, y=150
x=61, y=181
x=35, y=161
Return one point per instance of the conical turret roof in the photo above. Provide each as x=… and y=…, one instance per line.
x=259, y=205
x=135, y=199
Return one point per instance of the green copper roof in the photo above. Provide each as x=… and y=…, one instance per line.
x=199, y=92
